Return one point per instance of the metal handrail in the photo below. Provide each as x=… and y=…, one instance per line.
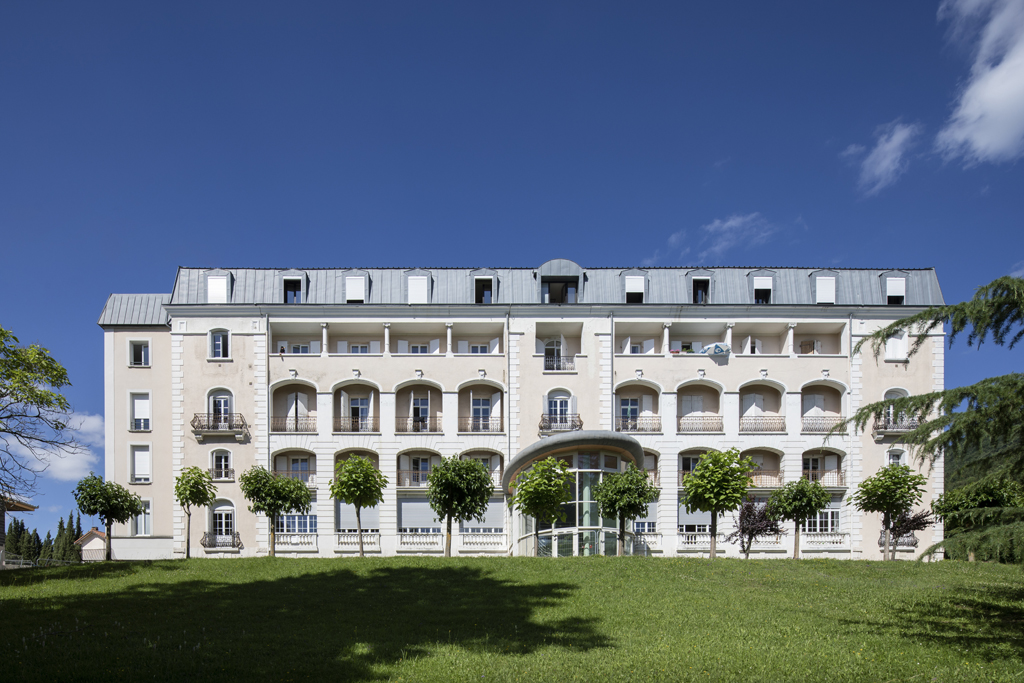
x=550, y=422
x=481, y=424
x=139, y=424
x=356, y=424
x=211, y=540
x=907, y=541
x=826, y=477
x=820, y=424
x=560, y=363
x=293, y=424
x=305, y=476
x=763, y=423
x=413, y=478
x=896, y=424
x=638, y=424
x=765, y=478
x=218, y=422
x=222, y=473
x=418, y=424
x=700, y=423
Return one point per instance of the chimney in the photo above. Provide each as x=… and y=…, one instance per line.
x=95, y=528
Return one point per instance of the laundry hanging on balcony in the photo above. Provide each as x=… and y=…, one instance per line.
x=716, y=350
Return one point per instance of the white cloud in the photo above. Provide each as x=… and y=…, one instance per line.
x=853, y=150
x=1017, y=270
x=722, y=235
x=987, y=123
x=885, y=163
x=75, y=465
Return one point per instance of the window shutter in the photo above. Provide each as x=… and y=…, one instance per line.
x=217, y=289
x=694, y=517
x=825, y=288
x=634, y=284
x=648, y=346
x=538, y=347
x=141, y=464
x=817, y=346
x=757, y=346
x=563, y=350
x=762, y=283
x=496, y=404
x=831, y=462
x=748, y=405
x=375, y=346
x=649, y=463
x=369, y=404
x=759, y=403
x=675, y=346
x=685, y=405
x=418, y=290
x=355, y=288
x=895, y=286
x=345, y=412
x=758, y=460
x=647, y=403
x=370, y=517
x=435, y=346
x=415, y=514
x=282, y=346
x=140, y=406
x=403, y=463
x=698, y=404
x=494, y=346
x=303, y=404
x=403, y=346
x=343, y=347
x=494, y=517
x=314, y=347
x=463, y=346
x=292, y=398
x=545, y=295
x=747, y=348
x=572, y=406
x=545, y=410
x=625, y=345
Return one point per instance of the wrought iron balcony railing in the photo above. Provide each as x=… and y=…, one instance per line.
x=216, y=424
x=896, y=424
x=696, y=424
x=560, y=423
x=356, y=424
x=481, y=424
x=305, y=476
x=413, y=478
x=908, y=541
x=763, y=423
x=765, y=478
x=638, y=424
x=222, y=473
x=139, y=424
x=557, y=364
x=827, y=477
x=211, y=540
x=293, y=424
x=819, y=424
x=405, y=425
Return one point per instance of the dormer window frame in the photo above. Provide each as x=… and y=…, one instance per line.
x=634, y=286
x=357, y=287
x=762, y=287
x=292, y=290
x=218, y=285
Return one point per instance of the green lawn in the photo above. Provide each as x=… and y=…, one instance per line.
x=521, y=619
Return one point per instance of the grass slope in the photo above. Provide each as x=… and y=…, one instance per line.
x=514, y=619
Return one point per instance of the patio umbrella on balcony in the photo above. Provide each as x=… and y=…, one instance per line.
x=716, y=349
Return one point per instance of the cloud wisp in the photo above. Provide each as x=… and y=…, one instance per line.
x=715, y=238
x=1017, y=270
x=886, y=161
x=75, y=465
x=987, y=123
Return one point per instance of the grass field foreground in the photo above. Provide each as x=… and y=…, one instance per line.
x=514, y=619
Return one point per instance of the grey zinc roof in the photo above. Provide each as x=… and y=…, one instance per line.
x=730, y=285
x=135, y=309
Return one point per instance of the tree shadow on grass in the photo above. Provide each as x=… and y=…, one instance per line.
x=987, y=621
x=90, y=570
x=329, y=625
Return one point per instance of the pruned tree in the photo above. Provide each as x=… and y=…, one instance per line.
x=359, y=484
x=109, y=501
x=752, y=524
x=34, y=416
x=717, y=485
x=541, y=492
x=796, y=502
x=193, y=487
x=273, y=496
x=893, y=491
x=459, y=490
x=908, y=522
x=625, y=496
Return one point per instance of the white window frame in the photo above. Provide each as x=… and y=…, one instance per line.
x=218, y=295
x=418, y=289
x=896, y=286
x=131, y=352
x=825, y=290
x=764, y=283
x=213, y=463
x=284, y=290
x=490, y=280
x=479, y=348
x=222, y=505
x=355, y=284
x=419, y=349
x=132, y=448
x=147, y=515
x=148, y=427
x=693, y=289
x=210, y=341
x=362, y=348
x=900, y=457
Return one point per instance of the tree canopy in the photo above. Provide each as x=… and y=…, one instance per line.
x=193, y=487
x=359, y=484
x=893, y=491
x=718, y=484
x=625, y=496
x=541, y=492
x=272, y=496
x=796, y=502
x=109, y=501
x=34, y=415
x=459, y=490
x=753, y=523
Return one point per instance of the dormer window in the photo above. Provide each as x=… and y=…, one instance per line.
x=634, y=289
x=762, y=290
x=559, y=290
x=419, y=290
x=216, y=289
x=701, y=290
x=895, y=290
x=484, y=287
x=825, y=290
x=293, y=291
x=355, y=289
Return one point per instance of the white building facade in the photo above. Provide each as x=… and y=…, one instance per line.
x=296, y=370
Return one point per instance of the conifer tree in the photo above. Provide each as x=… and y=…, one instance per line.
x=78, y=527
x=47, y=552
x=59, y=542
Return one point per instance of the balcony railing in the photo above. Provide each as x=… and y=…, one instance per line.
x=283, y=541
x=763, y=423
x=219, y=424
x=644, y=543
x=211, y=540
x=768, y=542
x=222, y=474
x=481, y=424
x=139, y=424
x=897, y=424
x=698, y=541
x=700, y=424
x=638, y=424
x=908, y=541
x=350, y=541
x=765, y=478
x=293, y=424
x=560, y=423
x=823, y=538
x=559, y=364
x=405, y=425
x=471, y=542
x=827, y=477
x=356, y=424
x=413, y=478
x=308, y=477
x=420, y=541
x=819, y=424
x=653, y=477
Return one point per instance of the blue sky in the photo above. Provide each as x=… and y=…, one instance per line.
x=136, y=137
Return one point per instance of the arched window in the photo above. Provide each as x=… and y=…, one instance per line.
x=221, y=405
x=559, y=411
x=222, y=521
x=221, y=469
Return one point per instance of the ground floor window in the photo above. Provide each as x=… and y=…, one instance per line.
x=419, y=530
x=695, y=528
x=644, y=527
x=143, y=524
x=296, y=524
x=826, y=521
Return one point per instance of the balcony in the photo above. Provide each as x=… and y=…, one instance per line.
x=820, y=539
x=560, y=423
x=352, y=425
x=420, y=542
x=294, y=542
x=213, y=541
x=483, y=542
x=349, y=542
x=293, y=424
x=701, y=424
x=697, y=541
x=763, y=423
x=638, y=424
x=559, y=364
x=899, y=425
x=481, y=424
x=219, y=424
x=833, y=478
x=819, y=424
x=416, y=479
x=308, y=477
x=765, y=479
x=222, y=474
x=138, y=424
x=653, y=478
x=428, y=425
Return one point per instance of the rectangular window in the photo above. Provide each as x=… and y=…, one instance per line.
x=224, y=522
x=293, y=291
x=419, y=292
x=217, y=289
x=825, y=522
x=694, y=528
x=222, y=465
x=355, y=290
x=143, y=524
x=140, y=354
x=701, y=290
x=634, y=289
x=140, y=413
x=825, y=290
x=895, y=290
x=762, y=290
x=688, y=463
x=296, y=524
x=141, y=465
x=478, y=348
x=359, y=348
x=219, y=345
x=896, y=347
x=894, y=457
x=300, y=348
x=483, y=286
x=561, y=291
x=645, y=527
x=418, y=348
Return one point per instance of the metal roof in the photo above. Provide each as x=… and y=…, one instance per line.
x=135, y=309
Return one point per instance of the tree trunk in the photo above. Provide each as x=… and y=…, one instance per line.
x=714, y=533
x=188, y=533
x=106, y=541
x=620, y=547
x=796, y=542
x=359, y=531
x=536, y=538
x=885, y=523
x=273, y=535
x=746, y=548
x=448, y=538
x=552, y=539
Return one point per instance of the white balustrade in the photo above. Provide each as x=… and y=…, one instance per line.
x=349, y=541
x=421, y=541
x=832, y=538
x=483, y=541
